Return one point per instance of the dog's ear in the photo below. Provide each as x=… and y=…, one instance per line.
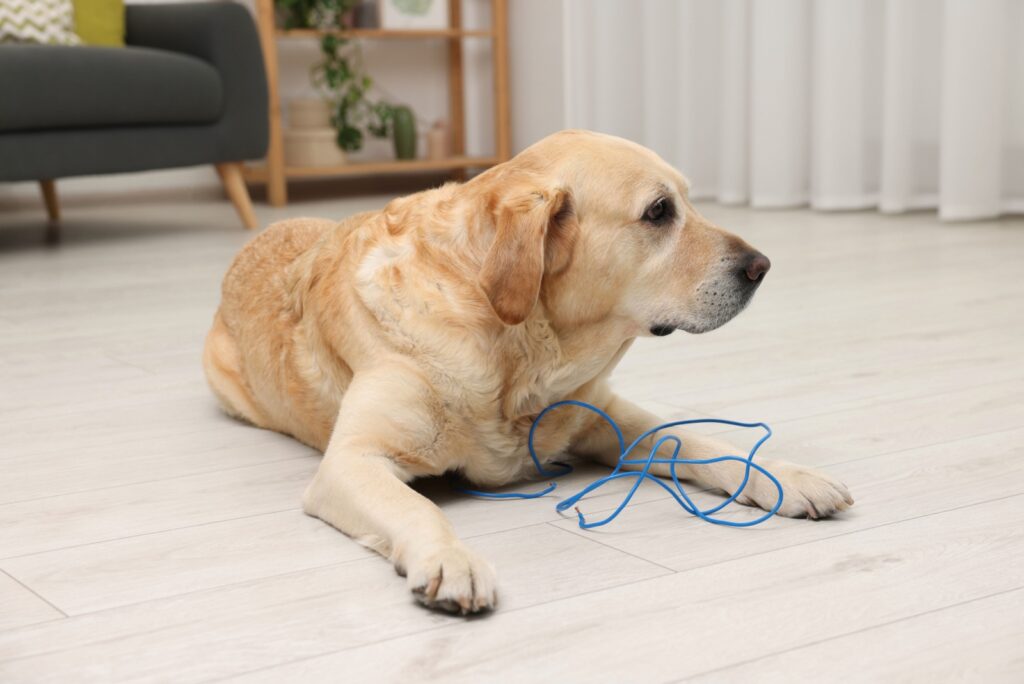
x=535, y=229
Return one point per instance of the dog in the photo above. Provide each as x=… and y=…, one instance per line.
x=425, y=338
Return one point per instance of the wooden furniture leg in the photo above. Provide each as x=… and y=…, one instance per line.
x=234, y=185
x=49, y=188
x=277, y=190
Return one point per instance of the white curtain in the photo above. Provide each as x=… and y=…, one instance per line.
x=840, y=104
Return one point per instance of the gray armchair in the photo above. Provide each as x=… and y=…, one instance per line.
x=188, y=88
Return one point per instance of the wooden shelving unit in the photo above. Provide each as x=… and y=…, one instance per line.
x=275, y=174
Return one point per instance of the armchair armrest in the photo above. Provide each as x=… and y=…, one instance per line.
x=224, y=35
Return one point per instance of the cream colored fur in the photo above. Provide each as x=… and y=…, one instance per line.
x=424, y=338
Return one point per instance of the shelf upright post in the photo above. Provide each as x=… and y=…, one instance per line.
x=456, y=91
x=502, y=127
x=277, y=189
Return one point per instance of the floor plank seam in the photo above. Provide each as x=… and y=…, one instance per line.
x=803, y=376
x=581, y=535
x=34, y=593
x=147, y=534
x=134, y=440
x=145, y=482
x=119, y=637
x=134, y=604
x=267, y=434
x=880, y=625
x=962, y=438
x=853, y=532
x=902, y=400
x=149, y=372
x=217, y=587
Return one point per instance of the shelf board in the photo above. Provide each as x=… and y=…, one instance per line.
x=258, y=174
x=386, y=33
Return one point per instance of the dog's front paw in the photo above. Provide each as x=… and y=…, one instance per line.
x=454, y=579
x=806, y=492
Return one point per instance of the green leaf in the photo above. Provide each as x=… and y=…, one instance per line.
x=350, y=139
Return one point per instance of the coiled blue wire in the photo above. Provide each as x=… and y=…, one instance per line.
x=677, y=492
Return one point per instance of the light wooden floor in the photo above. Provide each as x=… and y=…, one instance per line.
x=145, y=536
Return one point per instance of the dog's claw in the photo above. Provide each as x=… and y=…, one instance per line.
x=431, y=592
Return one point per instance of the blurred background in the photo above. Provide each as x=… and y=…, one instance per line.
x=893, y=106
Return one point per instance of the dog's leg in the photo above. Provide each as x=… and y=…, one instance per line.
x=806, y=492
x=383, y=438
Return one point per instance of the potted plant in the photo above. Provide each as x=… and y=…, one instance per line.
x=302, y=14
x=344, y=83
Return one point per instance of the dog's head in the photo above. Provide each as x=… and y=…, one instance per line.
x=600, y=228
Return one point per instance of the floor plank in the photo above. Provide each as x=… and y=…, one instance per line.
x=980, y=640
x=118, y=512
x=889, y=426
x=19, y=606
x=221, y=632
x=889, y=488
x=672, y=627
x=881, y=348
x=94, y=577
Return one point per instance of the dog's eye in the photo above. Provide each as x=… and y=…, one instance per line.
x=659, y=212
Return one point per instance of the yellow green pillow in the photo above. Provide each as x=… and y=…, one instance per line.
x=100, y=22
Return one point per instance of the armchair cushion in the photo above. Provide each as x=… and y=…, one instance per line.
x=219, y=45
x=52, y=87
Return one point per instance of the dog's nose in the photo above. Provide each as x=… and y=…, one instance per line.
x=756, y=266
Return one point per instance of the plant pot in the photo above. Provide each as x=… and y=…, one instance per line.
x=312, y=147
x=437, y=141
x=404, y=133
x=309, y=113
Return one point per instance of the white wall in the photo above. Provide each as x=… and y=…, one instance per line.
x=411, y=72
x=538, y=54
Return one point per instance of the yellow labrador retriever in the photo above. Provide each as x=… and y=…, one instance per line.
x=424, y=338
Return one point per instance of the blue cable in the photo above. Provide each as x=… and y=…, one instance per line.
x=678, y=493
